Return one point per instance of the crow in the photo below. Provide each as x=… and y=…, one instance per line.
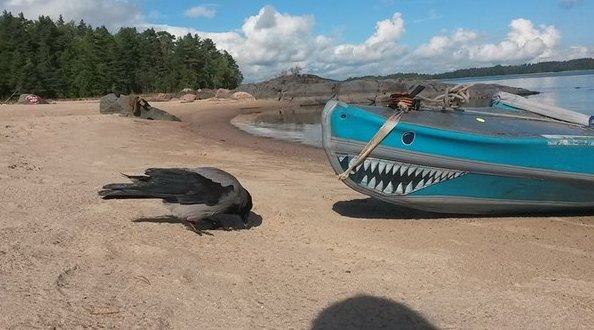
x=193, y=194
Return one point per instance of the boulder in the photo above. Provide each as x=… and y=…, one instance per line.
x=109, y=104
x=223, y=93
x=151, y=113
x=132, y=106
x=187, y=98
x=30, y=99
x=243, y=96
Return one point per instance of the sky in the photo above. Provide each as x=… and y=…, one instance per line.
x=348, y=38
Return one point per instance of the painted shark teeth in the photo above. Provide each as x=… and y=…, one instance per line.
x=395, y=178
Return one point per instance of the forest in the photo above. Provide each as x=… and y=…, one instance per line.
x=58, y=59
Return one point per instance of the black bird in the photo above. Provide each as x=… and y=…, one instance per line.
x=193, y=194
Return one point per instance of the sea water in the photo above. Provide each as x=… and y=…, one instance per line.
x=572, y=90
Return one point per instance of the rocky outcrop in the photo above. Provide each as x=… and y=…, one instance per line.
x=188, y=98
x=313, y=90
x=110, y=104
x=132, y=106
x=243, y=96
x=205, y=93
x=223, y=93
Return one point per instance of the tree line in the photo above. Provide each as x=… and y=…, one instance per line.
x=498, y=70
x=69, y=60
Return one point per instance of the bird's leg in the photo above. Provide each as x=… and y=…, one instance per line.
x=192, y=225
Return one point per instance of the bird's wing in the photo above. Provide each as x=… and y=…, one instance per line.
x=174, y=185
x=217, y=175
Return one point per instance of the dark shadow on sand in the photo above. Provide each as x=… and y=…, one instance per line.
x=228, y=222
x=371, y=208
x=369, y=312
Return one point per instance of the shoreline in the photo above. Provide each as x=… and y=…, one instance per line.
x=219, y=127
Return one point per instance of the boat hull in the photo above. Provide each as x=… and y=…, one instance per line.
x=463, y=170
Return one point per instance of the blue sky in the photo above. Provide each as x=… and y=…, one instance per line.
x=355, y=20
x=338, y=39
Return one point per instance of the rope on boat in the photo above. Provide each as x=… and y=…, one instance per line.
x=386, y=128
x=452, y=98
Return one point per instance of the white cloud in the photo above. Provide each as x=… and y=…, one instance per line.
x=376, y=55
x=573, y=52
x=463, y=48
x=201, y=11
x=111, y=13
x=524, y=42
x=442, y=45
x=268, y=42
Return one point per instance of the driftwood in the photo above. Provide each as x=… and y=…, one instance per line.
x=13, y=94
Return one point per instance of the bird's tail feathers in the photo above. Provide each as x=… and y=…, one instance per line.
x=136, y=178
x=131, y=191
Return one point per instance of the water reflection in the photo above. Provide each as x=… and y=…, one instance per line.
x=299, y=125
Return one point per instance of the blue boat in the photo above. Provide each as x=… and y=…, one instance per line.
x=494, y=160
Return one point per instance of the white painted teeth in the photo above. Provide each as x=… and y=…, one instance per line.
x=408, y=188
x=373, y=165
x=381, y=167
x=380, y=186
x=411, y=170
x=389, y=188
x=403, y=169
x=400, y=190
x=420, y=185
x=395, y=169
x=395, y=178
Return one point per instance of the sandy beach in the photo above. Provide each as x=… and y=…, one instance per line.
x=317, y=256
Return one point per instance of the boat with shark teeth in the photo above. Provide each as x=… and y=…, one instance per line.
x=493, y=160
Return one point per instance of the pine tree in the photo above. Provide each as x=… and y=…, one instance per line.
x=44, y=35
x=127, y=61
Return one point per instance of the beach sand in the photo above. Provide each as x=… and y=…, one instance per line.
x=318, y=255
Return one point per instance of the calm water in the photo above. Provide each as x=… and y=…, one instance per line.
x=572, y=90
x=299, y=127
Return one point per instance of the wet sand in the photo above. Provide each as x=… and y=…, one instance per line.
x=318, y=255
